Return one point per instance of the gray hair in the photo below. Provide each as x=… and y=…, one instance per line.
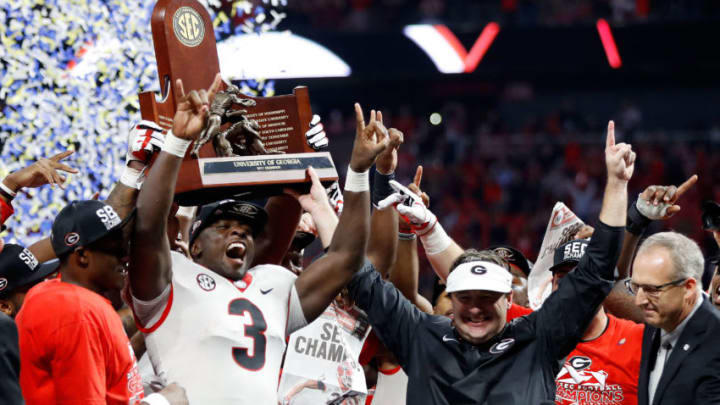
x=685, y=254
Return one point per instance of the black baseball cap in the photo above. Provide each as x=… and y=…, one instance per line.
x=513, y=256
x=569, y=253
x=81, y=223
x=20, y=268
x=252, y=214
x=711, y=215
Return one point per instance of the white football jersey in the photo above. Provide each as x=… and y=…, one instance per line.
x=391, y=387
x=223, y=341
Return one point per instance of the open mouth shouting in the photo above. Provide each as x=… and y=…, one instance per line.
x=235, y=252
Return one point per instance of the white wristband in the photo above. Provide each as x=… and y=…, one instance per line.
x=357, y=182
x=174, y=145
x=7, y=189
x=130, y=177
x=155, y=399
x=436, y=240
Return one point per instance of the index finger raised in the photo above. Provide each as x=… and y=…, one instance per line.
x=179, y=91
x=686, y=185
x=359, y=118
x=418, y=176
x=610, y=140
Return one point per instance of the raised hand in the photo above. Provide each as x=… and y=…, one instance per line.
x=659, y=202
x=192, y=109
x=370, y=141
x=411, y=208
x=387, y=160
x=415, y=186
x=317, y=197
x=619, y=158
x=144, y=139
x=316, y=137
x=44, y=171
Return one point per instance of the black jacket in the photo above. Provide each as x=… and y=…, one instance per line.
x=519, y=365
x=9, y=362
x=692, y=373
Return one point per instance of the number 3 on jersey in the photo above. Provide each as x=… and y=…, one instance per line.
x=252, y=355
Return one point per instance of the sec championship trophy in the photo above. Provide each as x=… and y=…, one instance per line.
x=252, y=146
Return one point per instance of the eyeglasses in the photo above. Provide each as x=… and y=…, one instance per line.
x=651, y=290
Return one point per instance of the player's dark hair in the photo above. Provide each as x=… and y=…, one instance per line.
x=472, y=255
x=438, y=288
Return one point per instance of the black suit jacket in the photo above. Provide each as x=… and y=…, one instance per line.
x=692, y=373
x=9, y=362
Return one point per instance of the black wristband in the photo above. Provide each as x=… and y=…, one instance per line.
x=381, y=186
x=636, y=222
x=7, y=196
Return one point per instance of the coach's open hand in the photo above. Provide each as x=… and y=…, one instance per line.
x=370, y=141
x=192, y=109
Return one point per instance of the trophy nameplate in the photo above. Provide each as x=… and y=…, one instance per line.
x=185, y=49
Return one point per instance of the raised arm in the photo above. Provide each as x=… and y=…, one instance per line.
x=144, y=139
x=318, y=285
x=383, y=243
x=44, y=171
x=440, y=249
x=565, y=315
x=406, y=269
x=150, y=270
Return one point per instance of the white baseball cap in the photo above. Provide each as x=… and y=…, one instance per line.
x=479, y=275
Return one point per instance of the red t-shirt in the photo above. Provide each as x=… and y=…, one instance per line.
x=603, y=371
x=73, y=349
x=516, y=311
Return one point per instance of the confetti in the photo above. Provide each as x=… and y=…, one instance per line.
x=70, y=72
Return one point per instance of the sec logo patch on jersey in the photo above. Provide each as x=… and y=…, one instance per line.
x=205, y=282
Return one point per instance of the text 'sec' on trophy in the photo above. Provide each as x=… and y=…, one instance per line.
x=252, y=147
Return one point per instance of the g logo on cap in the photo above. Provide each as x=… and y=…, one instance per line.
x=72, y=238
x=3, y=283
x=479, y=270
x=244, y=209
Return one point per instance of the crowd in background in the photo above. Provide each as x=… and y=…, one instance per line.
x=496, y=174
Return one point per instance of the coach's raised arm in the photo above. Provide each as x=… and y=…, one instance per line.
x=566, y=314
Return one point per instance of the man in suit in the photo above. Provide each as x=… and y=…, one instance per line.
x=682, y=326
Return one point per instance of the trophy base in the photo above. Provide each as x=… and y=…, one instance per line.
x=206, y=180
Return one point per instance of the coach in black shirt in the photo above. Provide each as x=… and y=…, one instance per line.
x=476, y=358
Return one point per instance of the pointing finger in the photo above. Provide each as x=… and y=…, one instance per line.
x=359, y=118
x=686, y=186
x=418, y=176
x=179, y=92
x=313, y=175
x=610, y=140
